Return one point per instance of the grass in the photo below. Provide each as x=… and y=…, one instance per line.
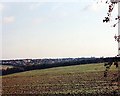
x=78, y=79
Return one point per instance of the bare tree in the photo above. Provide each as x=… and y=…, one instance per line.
x=111, y=5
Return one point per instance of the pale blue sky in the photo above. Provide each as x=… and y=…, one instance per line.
x=56, y=29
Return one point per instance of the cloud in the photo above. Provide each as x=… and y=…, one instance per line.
x=39, y=1
x=57, y=6
x=59, y=11
x=37, y=21
x=95, y=7
x=8, y=20
x=1, y=7
x=34, y=6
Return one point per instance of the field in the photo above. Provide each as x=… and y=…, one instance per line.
x=79, y=80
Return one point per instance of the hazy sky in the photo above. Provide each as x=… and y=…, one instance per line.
x=56, y=29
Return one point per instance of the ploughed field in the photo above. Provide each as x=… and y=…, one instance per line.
x=78, y=80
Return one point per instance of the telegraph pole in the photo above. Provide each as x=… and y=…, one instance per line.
x=117, y=38
x=119, y=30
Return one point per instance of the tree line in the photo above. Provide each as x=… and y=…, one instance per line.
x=17, y=69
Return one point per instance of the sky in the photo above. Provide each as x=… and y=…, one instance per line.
x=56, y=29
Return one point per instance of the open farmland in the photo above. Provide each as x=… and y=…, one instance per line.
x=80, y=80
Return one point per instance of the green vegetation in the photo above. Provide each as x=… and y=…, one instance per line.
x=69, y=80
